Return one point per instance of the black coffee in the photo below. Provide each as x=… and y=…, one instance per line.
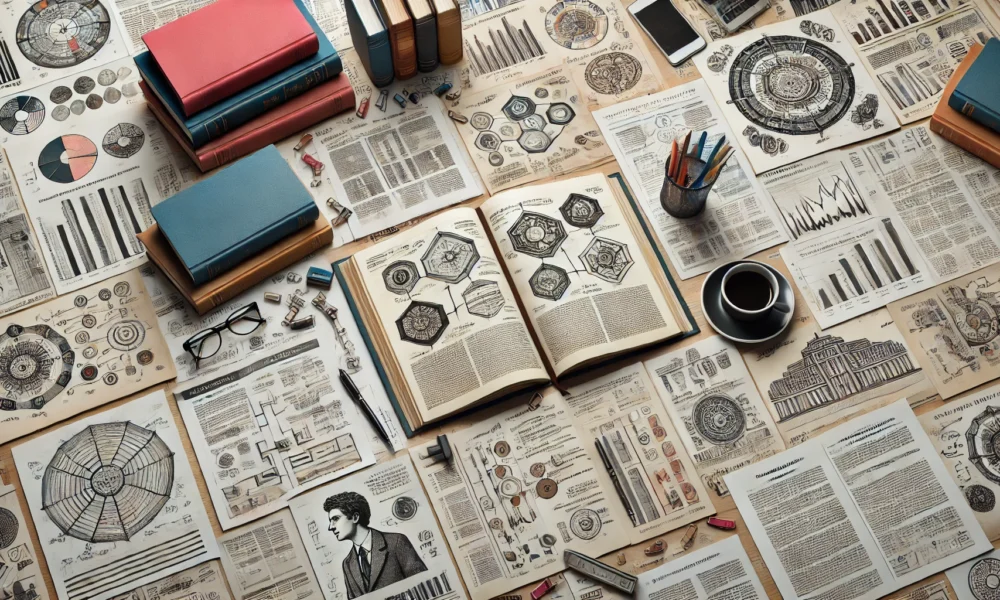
x=748, y=290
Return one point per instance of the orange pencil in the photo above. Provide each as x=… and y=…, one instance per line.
x=721, y=154
x=714, y=171
x=682, y=174
x=673, y=161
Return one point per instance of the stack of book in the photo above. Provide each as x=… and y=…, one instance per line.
x=231, y=231
x=968, y=114
x=237, y=75
x=398, y=38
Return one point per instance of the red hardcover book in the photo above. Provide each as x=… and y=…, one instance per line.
x=228, y=46
x=321, y=102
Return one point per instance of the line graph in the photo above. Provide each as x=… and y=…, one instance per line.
x=821, y=194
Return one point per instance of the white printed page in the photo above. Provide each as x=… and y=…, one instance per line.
x=738, y=219
x=22, y=573
x=114, y=501
x=200, y=582
x=24, y=281
x=722, y=570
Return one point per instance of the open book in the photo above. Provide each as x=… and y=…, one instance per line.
x=537, y=283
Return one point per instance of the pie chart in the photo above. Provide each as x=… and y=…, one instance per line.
x=22, y=115
x=67, y=158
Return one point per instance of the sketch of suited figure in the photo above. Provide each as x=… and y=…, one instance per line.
x=377, y=559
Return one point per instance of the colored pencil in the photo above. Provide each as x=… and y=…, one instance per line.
x=673, y=160
x=711, y=157
x=701, y=144
x=687, y=145
x=714, y=172
x=682, y=173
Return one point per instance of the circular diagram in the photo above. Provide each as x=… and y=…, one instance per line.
x=21, y=115
x=36, y=364
x=67, y=158
x=126, y=335
x=613, y=73
x=536, y=235
x=110, y=464
x=790, y=84
x=607, y=259
x=983, y=439
x=62, y=33
x=980, y=498
x=546, y=488
x=8, y=527
x=404, y=508
x=124, y=140
x=501, y=448
x=984, y=579
x=585, y=524
x=401, y=277
x=719, y=419
x=576, y=24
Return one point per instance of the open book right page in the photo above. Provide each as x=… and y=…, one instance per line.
x=578, y=270
x=449, y=314
x=862, y=510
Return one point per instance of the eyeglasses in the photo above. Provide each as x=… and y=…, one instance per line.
x=207, y=342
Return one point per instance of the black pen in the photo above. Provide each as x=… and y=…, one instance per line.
x=614, y=480
x=355, y=394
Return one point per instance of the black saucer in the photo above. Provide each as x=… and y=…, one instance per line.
x=748, y=332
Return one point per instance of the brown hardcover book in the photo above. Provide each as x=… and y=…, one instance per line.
x=961, y=130
x=402, y=38
x=230, y=284
x=449, y=30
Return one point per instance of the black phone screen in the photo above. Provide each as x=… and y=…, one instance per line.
x=666, y=26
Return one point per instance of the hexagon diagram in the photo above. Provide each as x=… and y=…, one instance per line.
x=581, y=211
x=536, y=235
x=535, y=121
x=449, y=257
x=549, y=282
x=518, y=107
x=483, y=298
x=481, y=120
x=422, y=323
x=607, y=259
x=534, y=141
x=401, y=277
x=560, y=113
x=488, y=141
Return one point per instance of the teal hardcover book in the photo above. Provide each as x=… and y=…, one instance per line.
x=371, y=40
x=977, y=95
x=219, y=119
x=218, y=223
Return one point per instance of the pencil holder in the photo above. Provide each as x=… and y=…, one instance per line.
x=685, y=203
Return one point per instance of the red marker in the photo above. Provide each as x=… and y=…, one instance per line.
x=543, y=588
x=718, y=523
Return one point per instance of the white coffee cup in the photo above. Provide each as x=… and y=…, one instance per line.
x=743, y=314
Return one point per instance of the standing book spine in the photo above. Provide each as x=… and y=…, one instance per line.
x=221, y=123
x=974, y=110
x=223, y=261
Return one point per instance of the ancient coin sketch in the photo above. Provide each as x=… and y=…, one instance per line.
x=83, y=84
x=980, y=498
x=768, y=143
x=581, y=211
x=982, y=439
x=719, y=419
x=401, y=277
x=483, y=298
x=864, y=114
x=94, y=101
x=585, y=523
x=60, y=94
x=124, y=140
x=537, y=235
x=36, y=365
x=984, y=579
x=106, y=77
x=404, y=508
x=613, y=73
x=108, y=482
x=607, y=259
x=791, y=85
x=21, y=115
x=422, y=323
x=549, y=282
x=576, y=24
x=718, y=60
x=449, y=257
x=63, y=33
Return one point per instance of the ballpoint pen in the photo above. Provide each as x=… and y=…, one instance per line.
x=614, y=481
x=355, y=394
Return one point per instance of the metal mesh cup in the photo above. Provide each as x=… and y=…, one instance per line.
x=684, y=203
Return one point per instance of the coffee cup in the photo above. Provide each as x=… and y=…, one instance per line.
x=750, y=292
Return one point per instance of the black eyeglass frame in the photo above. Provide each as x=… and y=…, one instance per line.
x=240, y=314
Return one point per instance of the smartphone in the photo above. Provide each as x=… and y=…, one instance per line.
x=668, y=28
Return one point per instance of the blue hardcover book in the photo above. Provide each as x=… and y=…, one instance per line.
x=371, y=40
x=218, y=223
x=977, y=95
x=219, y=119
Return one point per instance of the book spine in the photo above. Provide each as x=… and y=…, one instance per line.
x=966, y=141
x=450, y=39
x=263, y=271
x=427, y=44
x=233, y=256
x=264, y=101
x=975, y=111
x=277, y=130
x=380, y=63
x=404, y=50
x=237, y=81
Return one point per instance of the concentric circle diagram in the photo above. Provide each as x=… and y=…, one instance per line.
x=576, y=24
x=124, y=140
x=719, y=419
x=67, y=158
x=790, y=84
x=108, y=482
x=613, y=73
x=62, y=33
x=126, y=335
x=984, y=579
x=36, y=364
x=983, y=440
x=21, y=115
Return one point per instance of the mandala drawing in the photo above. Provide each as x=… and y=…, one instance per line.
x=983, y=439
x=536, y=235
x=483, y=298
x=108, y=482
x=719, y=420
x=36, y=365
x=581, y=211
x=449, y=257
x=63, y=33
x=607, y=259
x=401, y=277
x=422, y=323
x=984, y=579
x=124, y=140
x=576, y=24
x=21, y=115
x=791, y=85
x=126, y=335
x=613, y=73
x=549, y=282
